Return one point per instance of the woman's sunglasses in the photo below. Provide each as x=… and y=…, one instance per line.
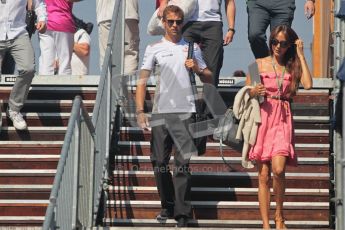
x=283, y=44
x=171, y=22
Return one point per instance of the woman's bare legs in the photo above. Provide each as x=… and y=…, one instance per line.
x=278, y=169
x=264, y=175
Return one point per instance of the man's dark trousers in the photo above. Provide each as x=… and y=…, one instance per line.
x=209, y=35
x=264, y=13
x=174, y=191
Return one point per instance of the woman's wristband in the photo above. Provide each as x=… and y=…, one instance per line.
x=140, y=111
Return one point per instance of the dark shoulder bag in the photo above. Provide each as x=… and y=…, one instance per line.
x=30, y=19
x=199, y=117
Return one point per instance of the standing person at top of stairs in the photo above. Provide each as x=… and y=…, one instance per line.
x=104, y=11
x=264, y=13
x=57, y=41
x=173, y=106
x=280, y=74
x=80, y=61
x=15, y=39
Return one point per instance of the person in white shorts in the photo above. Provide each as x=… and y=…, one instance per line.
x=104, y=10
x=171, y=114
x=57, y=41
x=81, y=52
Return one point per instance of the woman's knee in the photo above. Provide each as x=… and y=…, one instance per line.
x=264, y=177
x=278, y=171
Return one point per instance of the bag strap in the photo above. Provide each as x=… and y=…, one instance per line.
x=221, y=147
x=29, y=5
x=192, y=79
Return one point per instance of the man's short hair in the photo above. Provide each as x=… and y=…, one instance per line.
x=173, y=9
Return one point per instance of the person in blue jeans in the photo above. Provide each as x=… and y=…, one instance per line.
x=264, y=13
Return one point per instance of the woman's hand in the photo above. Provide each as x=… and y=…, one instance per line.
x=299, y=48
x=142, y=120
x=258, y=90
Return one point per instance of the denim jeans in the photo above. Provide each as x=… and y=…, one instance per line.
x=264, y=13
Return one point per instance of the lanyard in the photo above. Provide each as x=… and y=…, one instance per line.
x=279, y=80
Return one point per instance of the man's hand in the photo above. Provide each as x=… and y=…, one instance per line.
x=41, y=27
x=162, y=6
x=228, y=37
x=191, y=64
x=309, y=9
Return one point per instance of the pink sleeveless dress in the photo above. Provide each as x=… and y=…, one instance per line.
x=275, y=134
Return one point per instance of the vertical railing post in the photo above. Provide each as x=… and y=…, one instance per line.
x=75, y=188
x=337, y=139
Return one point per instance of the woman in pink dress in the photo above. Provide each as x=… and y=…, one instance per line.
x=281, y=73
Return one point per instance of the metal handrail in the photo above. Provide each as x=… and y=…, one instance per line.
x=80, y=210
x=338, y=139
x=67, y=189
x=106, y=101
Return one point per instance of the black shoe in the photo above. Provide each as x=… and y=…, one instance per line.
x=182, y=222
x=164, y=215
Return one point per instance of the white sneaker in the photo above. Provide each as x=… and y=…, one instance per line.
x=17, y=119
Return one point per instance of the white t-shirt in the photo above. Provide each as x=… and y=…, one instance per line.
x=80, y=65
x=208, y=10
x=105, y=8
x=173, y=90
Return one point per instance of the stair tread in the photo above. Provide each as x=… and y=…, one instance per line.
x=218, y=189
x=220, y=204
x=215, y=144
x=209, y=224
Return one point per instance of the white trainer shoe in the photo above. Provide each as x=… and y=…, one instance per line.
x=17, y=119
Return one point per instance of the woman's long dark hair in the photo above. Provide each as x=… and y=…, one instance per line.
x=290, y=60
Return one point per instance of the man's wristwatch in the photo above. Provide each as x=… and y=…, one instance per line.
x=232, y=29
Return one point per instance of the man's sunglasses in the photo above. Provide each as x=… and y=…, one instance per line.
x=171, y=22
x=283, y=44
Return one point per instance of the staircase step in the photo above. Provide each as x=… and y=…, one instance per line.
x=301, y=135
x=27, y=176
x=25, y=222
x=25, y=192
x=30, y=147
x=209, y=164
x=18, y=161
x=23, y=207
x=221, y=179
x=208, y=224
x=41, y=119
x=137, y=150
x=50, y=105
x=54, y=93
x=218, y=194
x=142, y=148
x=221, y=210
x=33, y=134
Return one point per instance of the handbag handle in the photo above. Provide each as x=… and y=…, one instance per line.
x=192, y=79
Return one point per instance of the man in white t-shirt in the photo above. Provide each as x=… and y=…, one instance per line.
x=104, y=10
x=81, y=52
x=171, y=114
